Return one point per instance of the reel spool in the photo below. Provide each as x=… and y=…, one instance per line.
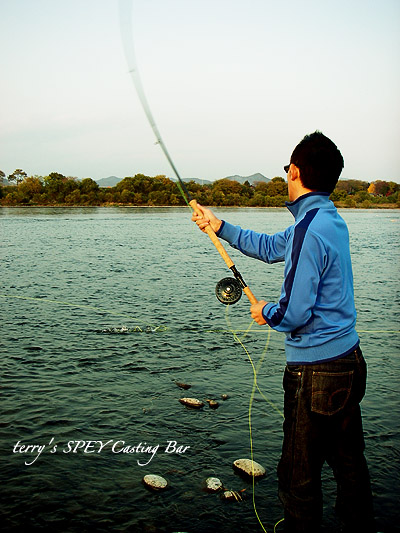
x=228, y=291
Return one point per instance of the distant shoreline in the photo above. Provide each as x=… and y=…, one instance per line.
x=339, y=205
x=142, y=191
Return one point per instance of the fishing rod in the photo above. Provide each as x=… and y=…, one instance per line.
x=228, y=290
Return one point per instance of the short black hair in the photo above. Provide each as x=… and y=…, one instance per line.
x=319, y=161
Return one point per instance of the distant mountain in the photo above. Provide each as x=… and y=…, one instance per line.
x=111, y=181
x=196, y=180
x=254, y=178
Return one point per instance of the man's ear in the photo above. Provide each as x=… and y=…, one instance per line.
x=294, y=172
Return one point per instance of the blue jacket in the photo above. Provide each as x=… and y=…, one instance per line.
x=316, y=308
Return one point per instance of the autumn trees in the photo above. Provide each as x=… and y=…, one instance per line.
x=141, y=190
x=54, y=189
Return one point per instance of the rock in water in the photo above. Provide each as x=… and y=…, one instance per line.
x=224, y=396
x=232, y=495
x=213, y=484
x=182, y=385
x=228, y=495
x=192, y=402
x=249, y=467
x=155, y=482
x=33, y=348
x=213, y=404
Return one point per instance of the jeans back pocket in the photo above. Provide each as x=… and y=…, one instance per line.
x=330, y=391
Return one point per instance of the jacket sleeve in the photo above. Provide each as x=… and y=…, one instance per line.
x=267, y=248
x=303, y=270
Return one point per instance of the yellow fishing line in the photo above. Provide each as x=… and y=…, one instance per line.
x=256, y=369
x=254, y=387
x=262, y=332
x=277, y=524
x=245, y=332
x=80, y=306
x=378, y=331
x=235, y=332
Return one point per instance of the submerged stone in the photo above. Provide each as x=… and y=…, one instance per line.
x=213, y=484
x=232, y=495
x=192, y=402
x=182, y=385
x=33, y=348
x=249, y=467
x=155, y=482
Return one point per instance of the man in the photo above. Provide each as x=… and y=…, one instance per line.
x=325, y=375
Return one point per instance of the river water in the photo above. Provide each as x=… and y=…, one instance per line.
x=104, y=310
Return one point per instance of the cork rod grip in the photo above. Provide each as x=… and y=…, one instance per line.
x=250, y=295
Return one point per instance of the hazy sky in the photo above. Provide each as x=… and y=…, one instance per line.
x=233, y=86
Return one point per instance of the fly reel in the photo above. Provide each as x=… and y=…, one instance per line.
x=228, y=291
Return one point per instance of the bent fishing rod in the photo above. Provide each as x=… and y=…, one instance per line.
x=228, y=290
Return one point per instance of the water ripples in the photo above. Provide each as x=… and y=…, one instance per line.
x=104, y=311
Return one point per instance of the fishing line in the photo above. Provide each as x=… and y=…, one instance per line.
x=83, y=306
x=255, y=369
x=255, y=386
x=162, y=327
x=234, y=332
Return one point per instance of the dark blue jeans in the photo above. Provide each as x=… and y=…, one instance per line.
x=323, y=423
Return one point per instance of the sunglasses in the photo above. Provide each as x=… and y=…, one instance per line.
x=286, y=168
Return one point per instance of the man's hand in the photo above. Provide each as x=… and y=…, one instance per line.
x=208, y=218
x=256, y=312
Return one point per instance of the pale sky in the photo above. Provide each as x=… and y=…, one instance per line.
x=233, y=86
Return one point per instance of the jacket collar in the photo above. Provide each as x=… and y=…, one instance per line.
x=308, y=201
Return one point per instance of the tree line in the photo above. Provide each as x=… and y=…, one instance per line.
x=140, y=190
